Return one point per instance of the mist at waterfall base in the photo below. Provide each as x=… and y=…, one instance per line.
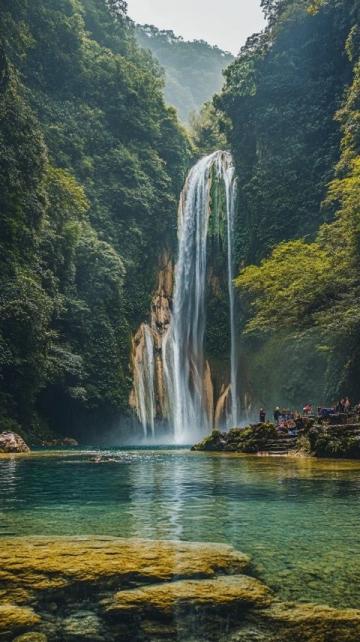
x=189, y=407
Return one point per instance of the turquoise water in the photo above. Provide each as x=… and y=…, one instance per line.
x=299, y=519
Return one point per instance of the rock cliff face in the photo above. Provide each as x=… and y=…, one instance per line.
x=10, y=442
x=147, y=344
x=198, y=358
x=103, y=588
x=149, y=398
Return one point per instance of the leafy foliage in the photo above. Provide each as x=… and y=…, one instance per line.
x=91, y=163
x=207, y=129
x=317, y=284
x=280, y=98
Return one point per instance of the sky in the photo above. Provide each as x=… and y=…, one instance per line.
x=226, y=23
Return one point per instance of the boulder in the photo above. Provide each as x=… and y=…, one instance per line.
x=11, y=442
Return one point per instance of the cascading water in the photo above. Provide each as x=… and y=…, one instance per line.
x=230, y=190
x=144, y=373
x=183, y=348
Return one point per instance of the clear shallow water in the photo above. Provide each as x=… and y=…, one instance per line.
x=299, y=519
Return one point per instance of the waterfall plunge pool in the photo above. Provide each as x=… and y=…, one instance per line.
x=297, y=518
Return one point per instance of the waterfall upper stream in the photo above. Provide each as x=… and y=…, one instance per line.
x=187, y=382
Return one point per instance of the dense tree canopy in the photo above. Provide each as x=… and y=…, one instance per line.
x=304, y=183
x=91, y=164
x=280, y=96
x=193, y=70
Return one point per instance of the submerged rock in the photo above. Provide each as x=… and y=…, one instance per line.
x=11, y=442
x=14, y=619
x=111, y=589
x=55, y=443
x=83, y=625
x=63, y=563
x=31, y=637
x=300, y=622
x=218, y=594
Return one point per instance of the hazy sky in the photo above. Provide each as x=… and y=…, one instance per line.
x=226, y=23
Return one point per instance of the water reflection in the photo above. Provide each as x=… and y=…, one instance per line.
x=298, y=518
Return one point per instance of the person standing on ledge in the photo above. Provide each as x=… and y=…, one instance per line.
x=262, y=416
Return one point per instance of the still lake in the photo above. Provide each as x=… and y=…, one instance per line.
x=298, y=518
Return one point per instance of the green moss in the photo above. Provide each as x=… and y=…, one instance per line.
x=246, y=440
x=333, y=441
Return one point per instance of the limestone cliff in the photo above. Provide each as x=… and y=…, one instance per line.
x=148, y=397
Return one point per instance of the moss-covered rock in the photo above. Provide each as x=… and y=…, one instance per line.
x=222, y=593
x=312, y=623
x=31, y=637
x=312, y=439
x=52, y=564
x=342, y=441
x=113, y=589
x=251, y=439
x=15, y=618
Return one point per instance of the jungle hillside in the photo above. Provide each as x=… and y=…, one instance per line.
x=290, y=109
x=92, y=163
x=193, y=70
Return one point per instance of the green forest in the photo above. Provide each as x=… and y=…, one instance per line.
x=292, y=116
x=193, y=70
x=92, y=162
x=91, y=165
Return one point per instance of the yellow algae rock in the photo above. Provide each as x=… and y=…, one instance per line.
x=90, y=588
x=219, y=593
x=31, y=637
x=312, y=623
x=13, y=594
x=56, y=563
x=16, y=618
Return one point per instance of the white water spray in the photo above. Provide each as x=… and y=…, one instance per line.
x=183, y=348
x=144, y=373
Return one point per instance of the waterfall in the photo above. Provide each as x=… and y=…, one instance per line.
x=230, y=188
x=144, y=375
x=183, y=347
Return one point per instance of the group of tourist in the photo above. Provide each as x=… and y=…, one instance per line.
x=284, y=418
x=344, y=406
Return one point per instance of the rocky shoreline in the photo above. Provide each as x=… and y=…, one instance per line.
x=112, y=589
x=12, y=443
x=311, y=438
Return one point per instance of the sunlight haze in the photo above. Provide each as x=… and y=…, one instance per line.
x=226, y=25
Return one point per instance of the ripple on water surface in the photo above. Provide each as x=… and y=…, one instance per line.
x=298, y=518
